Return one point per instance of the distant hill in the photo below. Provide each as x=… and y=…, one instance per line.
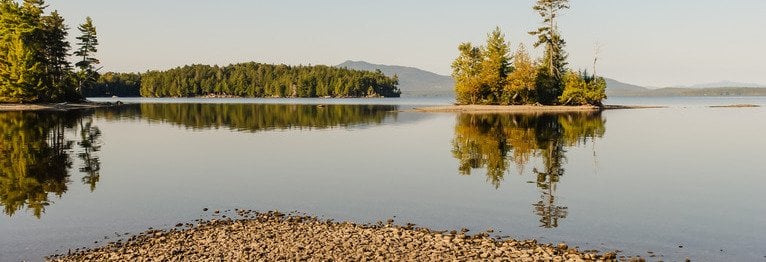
x=617, y=88
x=725, y=83
x=712, y=91
x=412, y=81
x=725, y=88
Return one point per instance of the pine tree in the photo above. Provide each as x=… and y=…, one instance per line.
x=553, y=65
x=22, y=64
x=495, y=67
x=56, y=51
x=88, y=47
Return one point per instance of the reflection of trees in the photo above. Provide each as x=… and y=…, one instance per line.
x=89, y=142
x=497, y=141
x=259, y=117
x=35, y=158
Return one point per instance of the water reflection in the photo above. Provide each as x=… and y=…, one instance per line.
x=37, y=149
x=35, y=157
x=497, y=141
x=262, y=117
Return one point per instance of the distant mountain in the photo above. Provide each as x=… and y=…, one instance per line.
x=710, y=91
x=725, y=83
x=617, y=88
x=412, y=81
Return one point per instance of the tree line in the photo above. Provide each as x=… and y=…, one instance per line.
x=250, y=80
x=34, y=52
x=489, y=74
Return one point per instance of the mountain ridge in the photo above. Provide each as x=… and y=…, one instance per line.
x=412, y=81
x=723, y=83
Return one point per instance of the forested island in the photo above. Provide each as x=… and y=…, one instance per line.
x=34, y=52
x=490, y=75
x=248, y=80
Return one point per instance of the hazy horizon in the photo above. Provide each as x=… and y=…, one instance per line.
x=649, y=43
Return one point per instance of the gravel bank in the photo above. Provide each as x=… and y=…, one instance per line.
x=275, y=236
x=535, y=109
x=507, y=109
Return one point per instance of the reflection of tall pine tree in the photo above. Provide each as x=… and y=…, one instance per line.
x=89, y=142
x=492, y=141
x=546, y=208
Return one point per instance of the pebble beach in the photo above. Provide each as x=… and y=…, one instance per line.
x=273, y=236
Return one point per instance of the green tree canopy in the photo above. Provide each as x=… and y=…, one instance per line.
x=33, y=54
x=265, y=80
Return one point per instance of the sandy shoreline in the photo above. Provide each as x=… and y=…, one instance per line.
x=275, y=236
x=524, y=108
x=54, y=107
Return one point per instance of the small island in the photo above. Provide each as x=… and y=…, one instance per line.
x=490, y=75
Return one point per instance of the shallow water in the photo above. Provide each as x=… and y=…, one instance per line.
x=683, y=181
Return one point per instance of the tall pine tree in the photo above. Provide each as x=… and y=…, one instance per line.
x=56, y=49
x=553, y=64
x=86, y=52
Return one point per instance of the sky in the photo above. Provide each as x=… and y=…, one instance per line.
x=654, y=43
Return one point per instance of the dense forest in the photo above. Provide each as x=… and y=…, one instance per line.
x=34, y=52
x=249, y=80
x=115, y=84
x=489, y=74
x=495, y=142
x=37, y=151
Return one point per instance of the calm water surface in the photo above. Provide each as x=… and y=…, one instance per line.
x=683, y=181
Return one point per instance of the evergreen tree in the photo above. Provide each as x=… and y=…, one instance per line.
x=88, y=47
x=33, y=53
x=553, y=65
x=21, y=66
x=56, y=51
x=495, y=67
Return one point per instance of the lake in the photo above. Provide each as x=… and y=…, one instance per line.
x=683, y=181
